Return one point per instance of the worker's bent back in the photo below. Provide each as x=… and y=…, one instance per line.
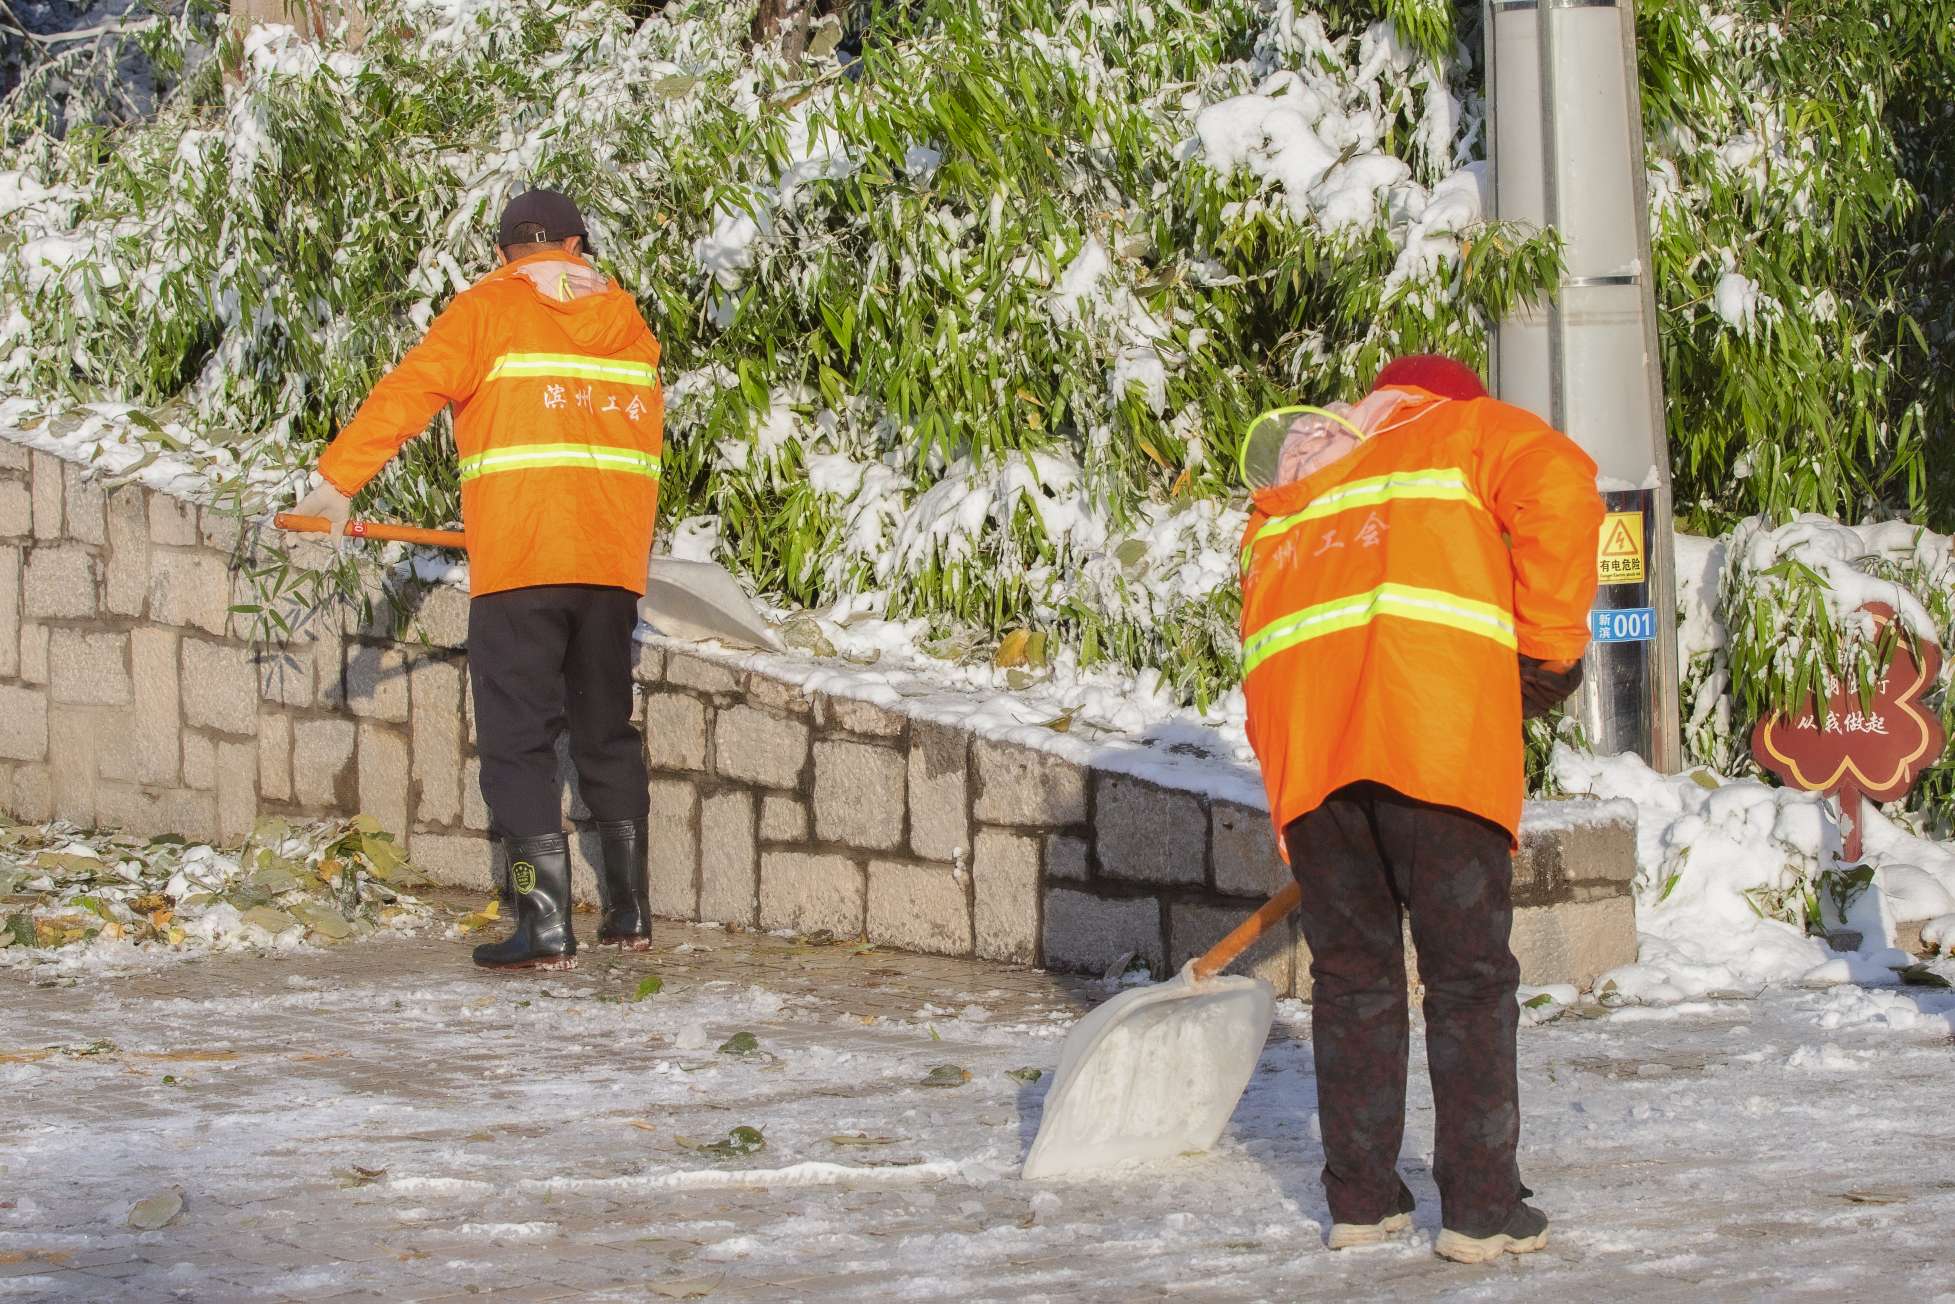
x=559, y=423
x=1386, y=596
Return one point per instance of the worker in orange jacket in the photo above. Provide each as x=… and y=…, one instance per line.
x=553, y=377
x=1417, y=572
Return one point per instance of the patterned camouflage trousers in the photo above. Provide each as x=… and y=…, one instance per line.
x=1364, y=856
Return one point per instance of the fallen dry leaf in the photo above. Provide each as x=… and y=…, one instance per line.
x=689, y=1288
x=188, y=1056
x=1874, y=1195
x=272, y=920
x=157, y=1211
x=482, y=918
x=946, y=1075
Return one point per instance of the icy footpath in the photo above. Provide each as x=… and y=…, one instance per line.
x=786, y=1120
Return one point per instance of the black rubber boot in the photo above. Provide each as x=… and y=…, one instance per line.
x=539, y=870
x=623, y=886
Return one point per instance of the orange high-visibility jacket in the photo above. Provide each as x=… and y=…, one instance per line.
x=1382, y=610
x=559, y=420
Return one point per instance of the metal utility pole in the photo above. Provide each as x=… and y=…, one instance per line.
x=1565, y=138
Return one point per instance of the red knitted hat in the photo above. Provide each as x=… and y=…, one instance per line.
x=1433, y=372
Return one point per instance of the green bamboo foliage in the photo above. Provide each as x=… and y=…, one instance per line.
x=1803, y=147
x=894, y=323
x=1780, y=153
x=879, y=381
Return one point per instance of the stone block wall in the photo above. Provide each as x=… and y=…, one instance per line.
x=131, y=697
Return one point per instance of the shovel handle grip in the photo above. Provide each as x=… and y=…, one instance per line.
x=371, y=530
x=1249, y=931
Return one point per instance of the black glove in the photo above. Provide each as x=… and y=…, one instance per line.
x=1543, y=689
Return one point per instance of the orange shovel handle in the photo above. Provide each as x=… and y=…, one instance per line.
x=1249, y=931
x=371, y=530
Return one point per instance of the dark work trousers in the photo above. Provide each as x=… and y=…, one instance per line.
x=541, y=660
x=1363, y=856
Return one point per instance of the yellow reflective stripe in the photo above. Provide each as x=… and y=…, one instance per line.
x=572, y=366
x=1432, y=606
x=1437, y=485
x=585, y=457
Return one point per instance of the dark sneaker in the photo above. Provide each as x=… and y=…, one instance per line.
x=1349, y=1236
x=1525, y=1232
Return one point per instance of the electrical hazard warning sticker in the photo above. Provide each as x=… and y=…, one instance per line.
x=1619, y=555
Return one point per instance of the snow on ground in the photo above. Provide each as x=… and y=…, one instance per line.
x=1731, y=874
x=386, y=1120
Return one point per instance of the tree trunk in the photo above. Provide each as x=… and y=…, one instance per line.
x=795, y=43
x=313, y=18
x=791, y=21
x=767, y=20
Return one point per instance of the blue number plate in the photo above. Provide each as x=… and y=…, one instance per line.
x=1623, y=625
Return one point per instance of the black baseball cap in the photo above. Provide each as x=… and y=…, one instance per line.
x=550, y=209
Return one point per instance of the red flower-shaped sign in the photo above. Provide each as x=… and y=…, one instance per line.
x=1855, y=747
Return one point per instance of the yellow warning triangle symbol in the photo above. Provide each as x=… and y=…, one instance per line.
x=1620, y=542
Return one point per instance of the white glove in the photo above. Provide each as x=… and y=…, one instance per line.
x=330, y=503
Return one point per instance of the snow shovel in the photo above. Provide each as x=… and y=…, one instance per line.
x=692, y=600
x=1157, y=1071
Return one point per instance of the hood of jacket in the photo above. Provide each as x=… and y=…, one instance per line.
x=598, y=316
x=1379, y=413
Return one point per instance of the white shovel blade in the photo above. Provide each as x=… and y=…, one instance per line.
x=1152, y=1073
x=698, y=601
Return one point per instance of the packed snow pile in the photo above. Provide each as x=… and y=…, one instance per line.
x=1737, y=883
x=73, y=900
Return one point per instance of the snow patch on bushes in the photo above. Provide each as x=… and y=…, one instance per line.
x=1733, y=876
